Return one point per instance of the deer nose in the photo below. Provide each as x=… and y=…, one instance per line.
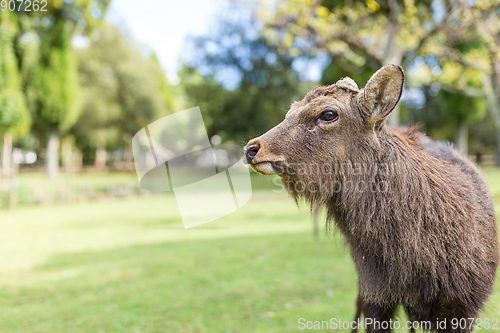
x=250, y=151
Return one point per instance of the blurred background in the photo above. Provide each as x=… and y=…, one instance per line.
x=84, y=249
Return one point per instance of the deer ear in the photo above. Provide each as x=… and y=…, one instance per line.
x=382, y=92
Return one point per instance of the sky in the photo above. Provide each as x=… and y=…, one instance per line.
x=163, y=24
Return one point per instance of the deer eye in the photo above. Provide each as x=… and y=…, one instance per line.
x=329, y=116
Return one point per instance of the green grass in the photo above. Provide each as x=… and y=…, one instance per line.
x=129, y=266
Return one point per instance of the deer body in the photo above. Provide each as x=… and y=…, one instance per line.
x=417, y=216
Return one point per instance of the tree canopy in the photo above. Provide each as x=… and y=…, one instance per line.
x=123, y=90
x=242, y=83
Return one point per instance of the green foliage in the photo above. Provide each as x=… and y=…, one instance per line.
x=82, y=16
x=55, y=81
x=263, y=81
x=358, y=35
x=122, y=90
x=462, y=108
x=168, y=91
x=14, y=115
x=139, y=94
x=333, y=72
x=445, y=111
x=48, y=66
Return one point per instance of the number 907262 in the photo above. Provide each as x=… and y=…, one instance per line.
x=23, y=5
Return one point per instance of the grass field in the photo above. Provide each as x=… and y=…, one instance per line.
x=129, y=266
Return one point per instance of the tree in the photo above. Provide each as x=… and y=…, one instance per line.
x=242, y=84
x=170, y=100
x=54, y=82
x=122, y=90
x=359, y=36
x=486, y=17
x=470, y=57
x=447, y=115
x=14, y=116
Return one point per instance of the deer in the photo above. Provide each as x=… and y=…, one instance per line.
x=416, y=215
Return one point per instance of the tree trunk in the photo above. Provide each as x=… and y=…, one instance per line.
x=498, y=148
x=6, y=168
x=393, y=119
x=67, y=157
x=393, y=54
x=14, y=183
x=53, y=154
x=77, y=159
x=100, y=158
x=6, y=156
x=494, y=109
x=128, y=156
x=463, y=139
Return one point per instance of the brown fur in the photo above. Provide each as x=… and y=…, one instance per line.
x=427, y=238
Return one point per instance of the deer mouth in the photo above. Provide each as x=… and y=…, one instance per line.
x=264, y=168
x=267, y=167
